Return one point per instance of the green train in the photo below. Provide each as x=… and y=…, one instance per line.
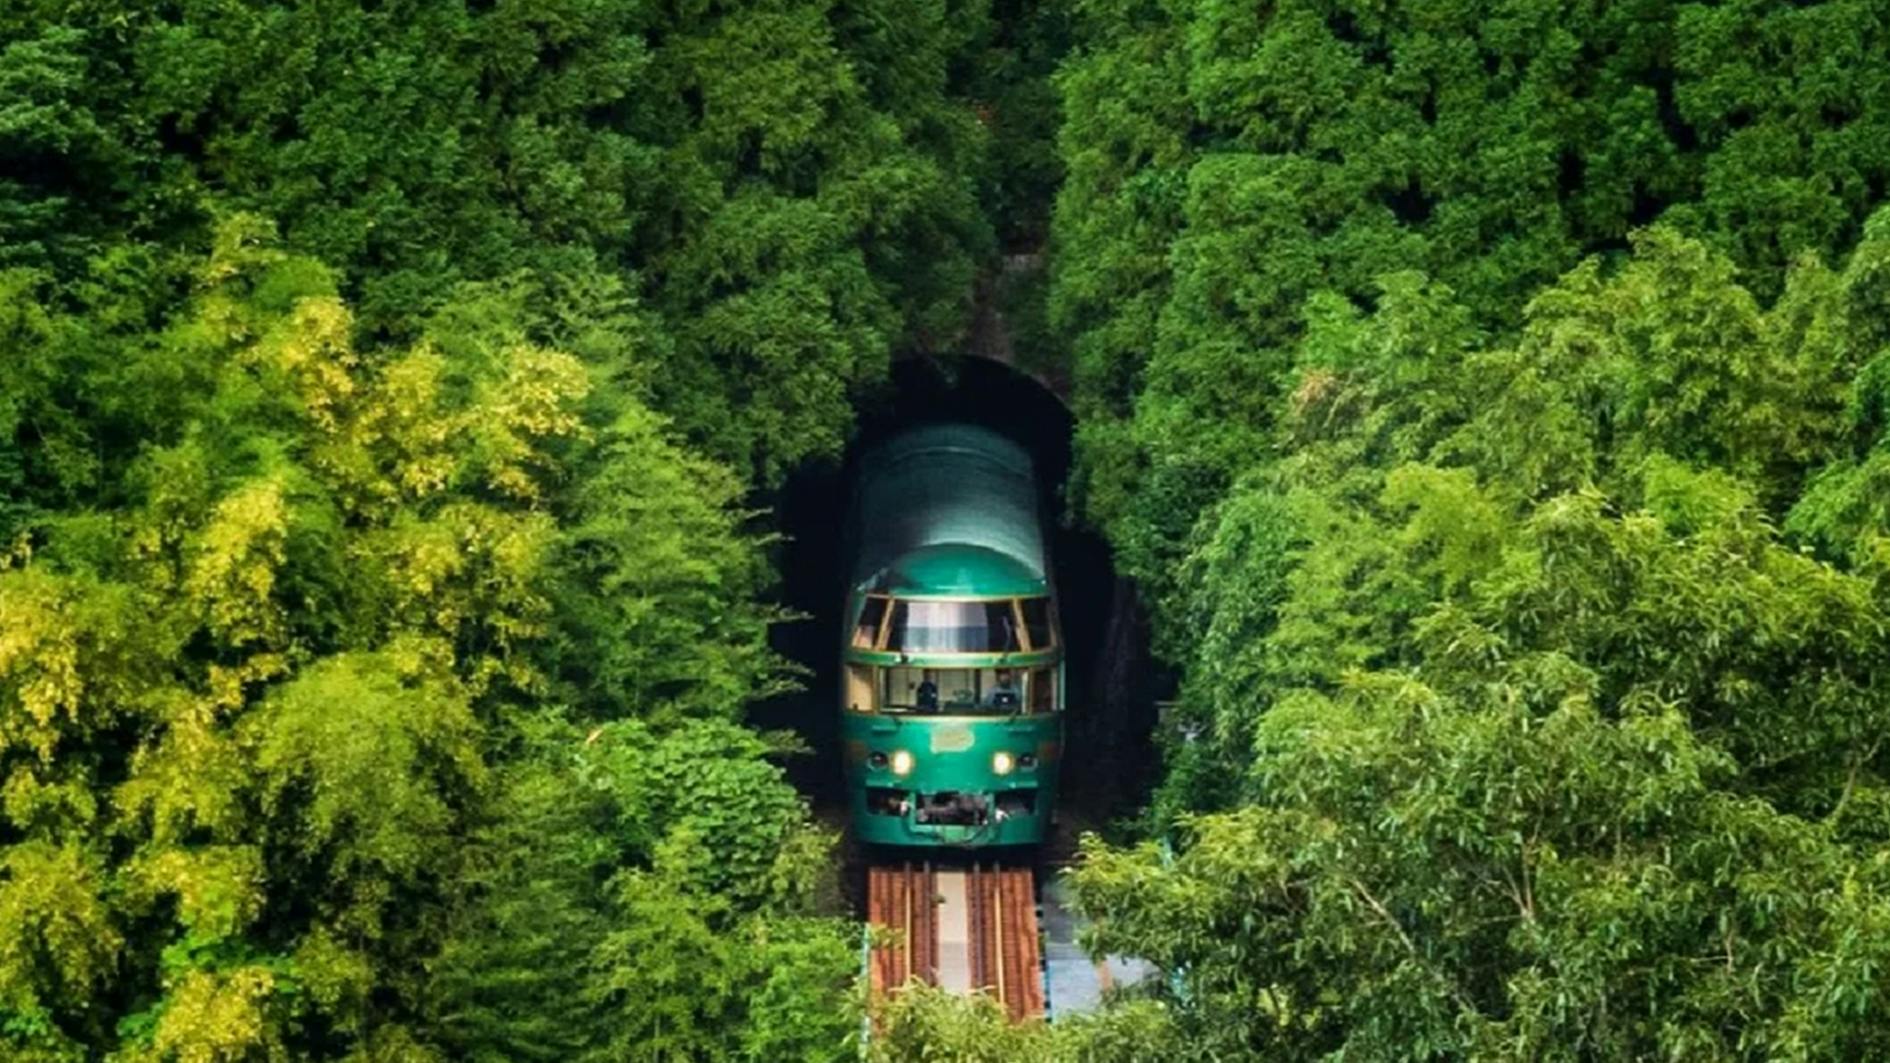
x=952, y=676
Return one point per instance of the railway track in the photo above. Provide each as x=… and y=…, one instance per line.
x=966, y=929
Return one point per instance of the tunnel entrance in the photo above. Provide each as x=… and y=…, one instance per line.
x=1109, y=762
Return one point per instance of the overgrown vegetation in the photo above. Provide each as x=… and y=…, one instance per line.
x=384, y=387
x=1489, y=399
x=379, y=682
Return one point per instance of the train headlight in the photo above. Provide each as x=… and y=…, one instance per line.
x=901, y=762
x=1002, y=763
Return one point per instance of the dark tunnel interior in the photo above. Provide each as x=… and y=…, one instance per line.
x=1112, y=683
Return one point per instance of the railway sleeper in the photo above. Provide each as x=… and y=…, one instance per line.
x=971, y=930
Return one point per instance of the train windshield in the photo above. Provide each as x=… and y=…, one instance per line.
x=954, y=627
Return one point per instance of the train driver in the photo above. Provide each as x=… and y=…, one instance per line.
x=925, y=698
x=1004, y=695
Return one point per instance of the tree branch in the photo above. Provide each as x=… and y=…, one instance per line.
x=1410, y=946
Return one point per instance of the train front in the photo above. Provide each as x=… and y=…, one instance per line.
x=952, y=691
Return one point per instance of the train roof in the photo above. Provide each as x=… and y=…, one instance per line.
x=959, y=570
x=948, y=509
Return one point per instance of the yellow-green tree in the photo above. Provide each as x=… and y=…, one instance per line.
x=252, y=695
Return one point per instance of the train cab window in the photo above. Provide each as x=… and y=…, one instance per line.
x=872, y=618
x=1037, y=623
x=928, y=690
x=921, y=626
x=962, y=691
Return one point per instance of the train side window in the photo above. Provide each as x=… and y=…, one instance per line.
x=1043, y=690
x=866, y=631
x=860, y=689
x=1037, y=623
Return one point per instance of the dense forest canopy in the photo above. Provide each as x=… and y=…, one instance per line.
x=385, y=385
x=1489, y=399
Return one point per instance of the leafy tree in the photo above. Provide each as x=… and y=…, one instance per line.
x=266, y=646
x=652, y=560
x=923, y=1022
x=1789, y=104
x=1227, y=164
x=1126, y=147
x=1842, y=511
x=790, y=185
x=646, y=896
x=1538, y=736
x=799, y=233
x=508, y=982
x=1511, y=724
x=56, y=150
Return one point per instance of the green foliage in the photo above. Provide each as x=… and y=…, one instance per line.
x=54, y=147
x=1790, y=102
x=380, y=598
x=367, y=756
x=1843, y=510
x=924, y=1023
x=790, y=185
x=680, y=980
x=1511, y=725
x=652, y=559
x=378, y=602
x=639, y=896
x=1226, y=165
x=1008, y=72
x=251, y=704
x=508, y=982
x=1524, y=730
